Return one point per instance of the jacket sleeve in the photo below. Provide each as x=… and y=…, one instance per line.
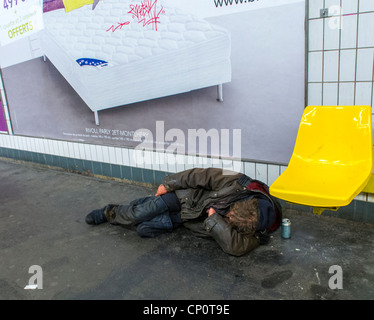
x=230, y=240
x=209, y=179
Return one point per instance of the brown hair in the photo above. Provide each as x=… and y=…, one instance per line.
x=244, y=218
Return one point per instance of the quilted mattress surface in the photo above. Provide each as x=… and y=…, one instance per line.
x=114, y=34
x=112, y=57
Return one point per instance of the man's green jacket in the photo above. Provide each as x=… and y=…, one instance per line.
x=199, y=188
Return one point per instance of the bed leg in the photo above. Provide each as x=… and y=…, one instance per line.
x=219, y=92
x=96, y=113
x=44, y=58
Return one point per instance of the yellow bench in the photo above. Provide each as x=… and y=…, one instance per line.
x=332, y=160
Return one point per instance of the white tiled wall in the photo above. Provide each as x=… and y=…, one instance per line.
x=340, y=59
x=158, y=161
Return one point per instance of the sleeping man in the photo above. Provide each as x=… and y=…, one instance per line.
x=233, y=209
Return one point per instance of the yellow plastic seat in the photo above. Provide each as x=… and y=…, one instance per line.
x=370, y=186
x=332, y=160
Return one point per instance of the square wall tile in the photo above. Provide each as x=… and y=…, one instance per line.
x=125, y=157
x=365, y=64
x=314, y=94
x=148, y=176
x=97, y=168
x=116, y=171
x=132, y=158
x=159, y=176
x=349, y=6
x=364, y=93
x=105, y=152
x=162, y=161
x=348, y=32
x=188, y=162
x=237, y=166
x=366, y=5
x=180, y=162
x=148, y=159
x=273, y=173
x=332, y=33
x=347, y=65
x=315, y=35
x=112, y=155
x=99, y=153
x=331, y=66
x=346, y=94
x=77, y=151
x=126, y=172
x=87, y=152
x=330, y=94
x=315, y=67
x=137, y=174
x=82, y=151
x=65, y=149
x=331, y=4
x=261, y=172
x=250, y=169
x=22, y=143
x=118, y=154
x=71, y=153
x=365, y=30
x=106, y=169
x=314, y=8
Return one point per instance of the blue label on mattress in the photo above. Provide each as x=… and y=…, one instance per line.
x=91, y=62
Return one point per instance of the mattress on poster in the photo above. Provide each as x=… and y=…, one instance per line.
x=179, y=54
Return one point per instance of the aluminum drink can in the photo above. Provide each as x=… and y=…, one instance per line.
x=286, y=228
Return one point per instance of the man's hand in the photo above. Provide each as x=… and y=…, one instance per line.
x=161, y=190
x=210, y=211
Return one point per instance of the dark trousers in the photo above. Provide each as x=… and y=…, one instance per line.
x=150, y=215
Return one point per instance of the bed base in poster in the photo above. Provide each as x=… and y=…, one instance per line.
x=184, y=54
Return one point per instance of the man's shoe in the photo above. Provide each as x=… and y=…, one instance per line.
x=96, y=217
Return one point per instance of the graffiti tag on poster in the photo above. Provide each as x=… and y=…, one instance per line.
x=19, y=19
x=147, y=13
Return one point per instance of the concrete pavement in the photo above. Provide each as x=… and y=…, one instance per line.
x=42, y=212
